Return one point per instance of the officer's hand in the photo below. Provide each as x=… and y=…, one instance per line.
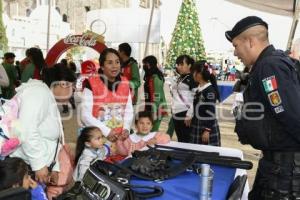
x=205, y=137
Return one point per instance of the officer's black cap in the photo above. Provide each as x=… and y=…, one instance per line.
x=243, y=25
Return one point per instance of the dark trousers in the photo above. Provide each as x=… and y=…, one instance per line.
x=182, y=131
x=277, y=177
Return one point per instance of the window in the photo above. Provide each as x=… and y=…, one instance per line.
x=147, y=3
x=87, y=8
x=65, y=18
x=58, y=9
x=28, y=12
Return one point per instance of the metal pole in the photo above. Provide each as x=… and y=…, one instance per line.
x=294, y=25
x=48, y=25
x=149, y=30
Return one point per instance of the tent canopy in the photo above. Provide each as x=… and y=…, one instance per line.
x=279, y=7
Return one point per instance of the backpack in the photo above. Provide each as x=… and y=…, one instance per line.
x=109, y=181
x=9, y=127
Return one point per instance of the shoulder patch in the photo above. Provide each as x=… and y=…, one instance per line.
x=278, y=109
x=270, y=84
x=274, y=98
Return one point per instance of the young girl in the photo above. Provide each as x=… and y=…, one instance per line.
x=90, y=146
x=14, y=172
x=205, y=128
x=143, y=136
x=154, y=90
x=182, y=98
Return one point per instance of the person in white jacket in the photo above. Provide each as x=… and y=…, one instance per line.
x=4, y=82
x=40, y=120
x=182, y=98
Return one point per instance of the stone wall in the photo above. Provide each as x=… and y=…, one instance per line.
x=76, y=10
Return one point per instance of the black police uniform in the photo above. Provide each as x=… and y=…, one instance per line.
x=273, y=91
x=274, y=127
x=297, y=66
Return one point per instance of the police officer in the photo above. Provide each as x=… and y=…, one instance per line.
x=270, y=116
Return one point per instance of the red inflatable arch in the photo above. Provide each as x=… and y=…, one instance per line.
x=89, y=67
x=88, y=39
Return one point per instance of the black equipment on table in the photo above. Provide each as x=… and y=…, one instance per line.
x=108, y=181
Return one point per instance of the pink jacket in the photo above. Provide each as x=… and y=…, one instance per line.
x=137, y=142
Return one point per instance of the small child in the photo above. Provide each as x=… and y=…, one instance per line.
x=143, y=136
x=14, y=172
x=89, y=147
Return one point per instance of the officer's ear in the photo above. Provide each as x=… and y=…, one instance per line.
x=251, y=42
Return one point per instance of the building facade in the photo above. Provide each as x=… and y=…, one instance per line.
x=67, y=16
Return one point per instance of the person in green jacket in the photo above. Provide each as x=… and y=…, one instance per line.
x=8, y=64
x=155, y=100
x=130, y=69
x=32, y=65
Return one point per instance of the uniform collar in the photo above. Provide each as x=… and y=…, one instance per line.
x=266, y=52
x=201, y=88
x=183, y=77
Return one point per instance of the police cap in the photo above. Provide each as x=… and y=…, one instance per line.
x=243, y=25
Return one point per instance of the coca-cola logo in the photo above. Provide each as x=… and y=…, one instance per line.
x=81, y=40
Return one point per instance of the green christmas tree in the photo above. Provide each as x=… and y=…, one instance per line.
x=3, y=38
x=186, y=37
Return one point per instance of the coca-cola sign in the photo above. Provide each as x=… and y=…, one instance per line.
x=81, y=40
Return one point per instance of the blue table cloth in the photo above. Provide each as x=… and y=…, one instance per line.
x=186, y=186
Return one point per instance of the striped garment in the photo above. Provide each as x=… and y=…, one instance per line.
x=204, y=116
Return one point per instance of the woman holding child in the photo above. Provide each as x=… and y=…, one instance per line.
x=107, y=100
x=39, y=119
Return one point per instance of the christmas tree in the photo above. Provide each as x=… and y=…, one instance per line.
x=3, y=38
x=187, y=37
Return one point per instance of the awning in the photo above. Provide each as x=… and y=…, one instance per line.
x=279, y=7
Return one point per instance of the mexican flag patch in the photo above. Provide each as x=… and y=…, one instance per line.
x=270, y=84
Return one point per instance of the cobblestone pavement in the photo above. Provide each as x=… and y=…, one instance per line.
x=226, y=123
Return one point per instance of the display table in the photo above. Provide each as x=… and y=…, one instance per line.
x=186, y=185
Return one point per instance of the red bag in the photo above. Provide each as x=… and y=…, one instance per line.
x=65, y=176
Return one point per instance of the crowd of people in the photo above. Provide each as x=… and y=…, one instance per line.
x=110, y=95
